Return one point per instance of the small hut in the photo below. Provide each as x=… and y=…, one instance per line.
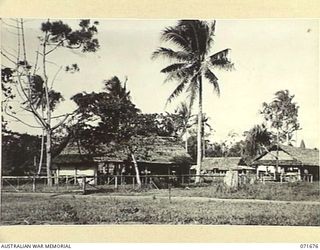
x=293, y=163
x=220, y=165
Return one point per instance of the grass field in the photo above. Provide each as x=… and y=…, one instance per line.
x=300, y=191
x=70, y=209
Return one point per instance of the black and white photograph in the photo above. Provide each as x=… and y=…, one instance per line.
x=160, y=121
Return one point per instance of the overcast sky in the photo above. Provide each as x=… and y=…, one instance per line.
x=269, y=55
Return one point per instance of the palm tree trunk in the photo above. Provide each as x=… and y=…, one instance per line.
x=186, y=142
x=136, y=170
x=277, y=154
x=199, y=134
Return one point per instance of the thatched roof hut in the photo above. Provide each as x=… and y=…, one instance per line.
x=302, y=161
x=223, y=164
x=289, y=156
x=220, y=163
x=156, y=152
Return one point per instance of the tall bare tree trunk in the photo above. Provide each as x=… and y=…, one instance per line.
x=48, y=121
x=199, y=134
x=41, y=154
x=48, y=154
x=135, y=164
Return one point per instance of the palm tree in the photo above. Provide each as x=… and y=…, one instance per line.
x=193, y=40
x=182, y=120
x=114, y=87
x=205, y=124
x=256, y=141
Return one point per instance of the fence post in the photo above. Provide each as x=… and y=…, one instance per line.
x=84, y=185
x=169, y=189
x=116, y=181
x=57, y=183
x=33, y=184
x=133, y=181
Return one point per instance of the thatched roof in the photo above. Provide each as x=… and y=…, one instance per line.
x=157, y=149
x=221, y=163
x=289, y=156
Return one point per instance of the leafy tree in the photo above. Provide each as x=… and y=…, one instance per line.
x=236, y=149
x=33, y=86
x=223, y=149
x=183, y=121
x=214, y=150
x=18, y=152
x=110, y=118
x=281, y=116
x=108, y=114
x=256, y=141
x=193, y=40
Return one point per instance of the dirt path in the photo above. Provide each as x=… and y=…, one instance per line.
x=173, y=198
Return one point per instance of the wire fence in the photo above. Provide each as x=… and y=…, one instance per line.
x=102, y=183
x=81, y=183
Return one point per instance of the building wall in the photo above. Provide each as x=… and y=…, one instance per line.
x=77, y=171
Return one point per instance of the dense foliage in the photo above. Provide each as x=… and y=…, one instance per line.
x=18, y=152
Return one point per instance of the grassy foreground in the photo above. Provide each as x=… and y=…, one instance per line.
x=298, y=191
x=43, y=209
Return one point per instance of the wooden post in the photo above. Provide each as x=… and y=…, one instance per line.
x=58, y=175
x=95, y=180
x=57, y=181
x=116, y=181
x=75, y=177
x=33, y=184
x=170, y=193
x=133, y=180
x=0, y=193
x=84, y=185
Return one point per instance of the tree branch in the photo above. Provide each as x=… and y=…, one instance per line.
x=8, y=58
x=10, y=25
x=61, y=122
x=55, y=76
x=44, y=124
x=57, y=45
x=18, y=119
